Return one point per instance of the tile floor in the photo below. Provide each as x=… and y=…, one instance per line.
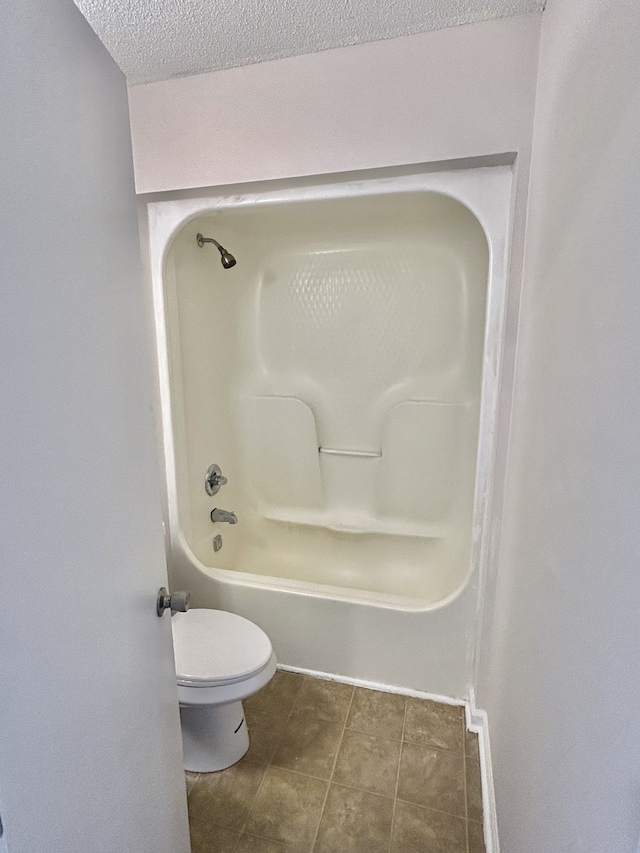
x=337, y=769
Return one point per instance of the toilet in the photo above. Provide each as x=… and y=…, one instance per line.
x=221, y=659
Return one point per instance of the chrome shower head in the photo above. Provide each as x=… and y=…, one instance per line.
x=226, y=258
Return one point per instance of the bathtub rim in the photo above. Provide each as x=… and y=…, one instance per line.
x=308, y=589
x=485, y=189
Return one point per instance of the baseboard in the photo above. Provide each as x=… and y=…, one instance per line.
x=477, y=722
x=373, y=685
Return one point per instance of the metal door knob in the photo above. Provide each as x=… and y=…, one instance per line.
x=176, y=601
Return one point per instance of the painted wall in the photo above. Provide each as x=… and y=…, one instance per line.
x=90, y=748
x=560, y=672
x=452, y=93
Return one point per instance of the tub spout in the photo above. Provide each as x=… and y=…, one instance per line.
x=223, y=515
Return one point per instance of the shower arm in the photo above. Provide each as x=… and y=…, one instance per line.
x=202, y=240
x=226, y=258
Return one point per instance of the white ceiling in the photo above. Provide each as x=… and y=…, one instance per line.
x=159, y=39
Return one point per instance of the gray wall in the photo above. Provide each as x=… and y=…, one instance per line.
x=560, y=671
x=90, y=751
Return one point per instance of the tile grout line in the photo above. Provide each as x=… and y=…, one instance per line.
x=431, y=809
x=395, y=793
x=333, y=770
x=406, y=740
x=286, y=847
x=339, y=785
x=267, y=766
x=464, y=784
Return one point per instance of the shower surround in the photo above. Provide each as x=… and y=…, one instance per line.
x=343, y=375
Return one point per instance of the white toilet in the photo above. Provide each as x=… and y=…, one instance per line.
x=221, y=659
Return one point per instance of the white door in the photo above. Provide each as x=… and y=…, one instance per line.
x=90, y=752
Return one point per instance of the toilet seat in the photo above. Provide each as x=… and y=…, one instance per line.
x=214, y=648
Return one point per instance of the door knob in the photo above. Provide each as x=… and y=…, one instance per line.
x=175, y=601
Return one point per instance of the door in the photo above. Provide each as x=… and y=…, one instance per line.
x=90, y=752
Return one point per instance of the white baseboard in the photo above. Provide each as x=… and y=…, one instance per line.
x=477, y=722
x=373, y=685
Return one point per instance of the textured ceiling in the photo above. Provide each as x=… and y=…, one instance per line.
x=159, y=39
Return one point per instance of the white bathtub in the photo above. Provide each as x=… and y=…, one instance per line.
x=344, y=376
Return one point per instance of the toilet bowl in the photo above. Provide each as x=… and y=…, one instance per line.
x=221, y=659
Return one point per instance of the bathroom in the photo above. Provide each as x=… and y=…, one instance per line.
x=368, y=396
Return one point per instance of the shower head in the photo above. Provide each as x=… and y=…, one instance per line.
x=226, y=258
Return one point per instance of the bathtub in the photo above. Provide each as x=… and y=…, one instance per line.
x=344, y=377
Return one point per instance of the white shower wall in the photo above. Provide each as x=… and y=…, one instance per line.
x=334, y=374
x=347, y=340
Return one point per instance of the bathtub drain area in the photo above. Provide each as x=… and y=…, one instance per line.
x=339, y=769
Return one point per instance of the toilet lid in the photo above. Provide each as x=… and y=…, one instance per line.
x=213, y=647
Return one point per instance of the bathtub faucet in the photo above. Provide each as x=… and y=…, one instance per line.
x=223, y=515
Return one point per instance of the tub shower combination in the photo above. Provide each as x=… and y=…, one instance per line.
x=328, y=385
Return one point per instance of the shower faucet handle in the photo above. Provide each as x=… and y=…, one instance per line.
x=214, y=479
x=223, y=515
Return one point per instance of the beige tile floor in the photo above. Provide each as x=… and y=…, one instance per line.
x=337, y=769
